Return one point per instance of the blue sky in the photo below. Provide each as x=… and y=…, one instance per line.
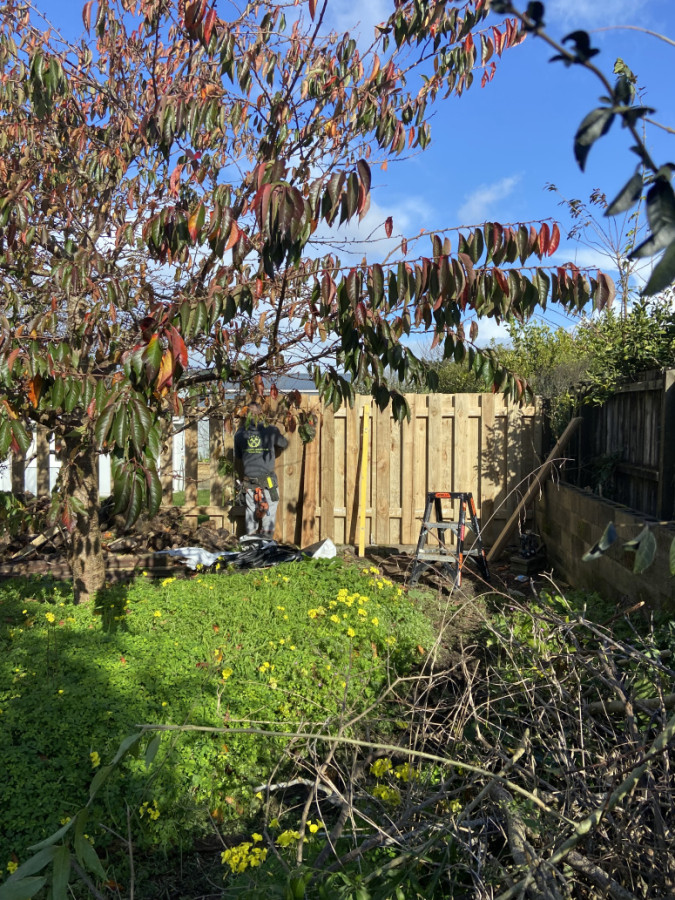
x=494, y=149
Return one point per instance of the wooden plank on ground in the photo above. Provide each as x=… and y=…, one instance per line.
x=488, y=480
x=463, y=452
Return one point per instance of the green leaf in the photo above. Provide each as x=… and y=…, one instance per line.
x=21, y=435
x=663, y=274
x=154, y=492
x=596, y=123
x=628, y=196
x=88, y=857
x=152, y=749
x=661, y=217
x=98, y=780
x=103, y=423
x=645, y=553
x=127, y=744
x=21, y=890
x=61, y=873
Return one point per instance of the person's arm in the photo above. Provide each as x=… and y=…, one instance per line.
x=280, y=441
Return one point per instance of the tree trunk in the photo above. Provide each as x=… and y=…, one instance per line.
x=80, y=482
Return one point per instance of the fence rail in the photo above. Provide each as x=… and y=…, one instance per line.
x=463, y=442
x=626, y=447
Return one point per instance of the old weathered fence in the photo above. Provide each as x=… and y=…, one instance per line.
x=626, y=448
x=463, y=442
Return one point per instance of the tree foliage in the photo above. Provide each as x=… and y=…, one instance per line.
x=163, y=182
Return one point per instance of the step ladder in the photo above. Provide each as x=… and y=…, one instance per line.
x=452, y=559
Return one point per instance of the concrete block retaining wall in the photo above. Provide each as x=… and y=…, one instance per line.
x=570, y=521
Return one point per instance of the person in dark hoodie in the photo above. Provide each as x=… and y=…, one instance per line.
x=255, y=450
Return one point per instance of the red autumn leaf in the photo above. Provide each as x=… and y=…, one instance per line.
x=502, y=280
x=86, y=14
x=11, y=359
x=34, y=390
x=388, y=226
x=312, y=8
x=91, y=409
x=544, y=239
x=404, y=247
x=209, y=22
x=473, y=330
x=274, y=392
x=554, y=241
x=234, y=236
x=360, y=314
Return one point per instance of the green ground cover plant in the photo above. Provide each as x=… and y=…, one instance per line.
x=292, y=646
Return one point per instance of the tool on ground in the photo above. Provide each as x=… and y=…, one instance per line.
x=451, y=557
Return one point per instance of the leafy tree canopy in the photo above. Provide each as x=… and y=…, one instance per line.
x=166, y=187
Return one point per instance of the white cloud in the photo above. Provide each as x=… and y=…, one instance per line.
x=481, y=204
x=573, y=14
x=356, y=239
x=358, y=18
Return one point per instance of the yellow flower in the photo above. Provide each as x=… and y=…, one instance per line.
x=273, y=684
x=313, y=827
x=226, y=673
x=95, y=759
x=60, y=690
x=167, y=581
x=158, y=613
x=12, y=866
x=312, y=613
x=50, y=617
x=281, y=608
x=351, y=632
x=375, y=621
x=362, y=612
x=387, y=795
x=256, y=838
x=381, y=766
x=287, y=837
x=335, y=618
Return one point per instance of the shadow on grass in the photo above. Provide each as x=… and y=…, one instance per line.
x=74, y=682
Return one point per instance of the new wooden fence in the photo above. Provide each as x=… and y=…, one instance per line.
x=464, y=442
x=626, y=447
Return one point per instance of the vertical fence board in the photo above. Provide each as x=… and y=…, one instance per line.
x=382, y=489
x=327, y=474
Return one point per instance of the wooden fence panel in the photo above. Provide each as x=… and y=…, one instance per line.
x=464, y=442
x=626, y=447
